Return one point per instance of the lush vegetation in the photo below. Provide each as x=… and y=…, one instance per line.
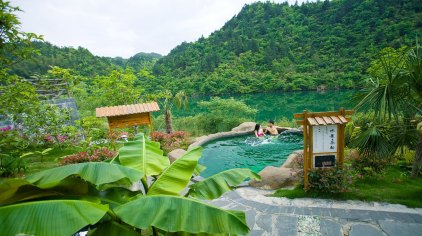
x=386, y=165
x=80, y=60
x=100, y=197
x=265, y=47
x=394, y=186
x=269, y=46
x=395, y=98
x=217, y=115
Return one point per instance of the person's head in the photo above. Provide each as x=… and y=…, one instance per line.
x=270, y=123
x=257, y=126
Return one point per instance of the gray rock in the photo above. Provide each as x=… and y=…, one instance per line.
x=399, y=228
x=175, y=154
x=365, y=229
x=293, y=130
x=289, y=163
x=274, y=178
x=245, y=126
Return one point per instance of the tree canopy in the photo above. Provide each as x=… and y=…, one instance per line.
x=269, y=46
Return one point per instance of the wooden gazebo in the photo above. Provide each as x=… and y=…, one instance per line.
x=128, y=115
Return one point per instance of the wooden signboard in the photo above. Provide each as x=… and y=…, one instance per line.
x=323, y=139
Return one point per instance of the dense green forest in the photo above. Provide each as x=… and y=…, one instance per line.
x=269, y=46
x=265, y=47
x=80, y=60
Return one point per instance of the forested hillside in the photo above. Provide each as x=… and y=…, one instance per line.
x=80, y=60
x=270, y=46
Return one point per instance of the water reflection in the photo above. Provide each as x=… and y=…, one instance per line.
x=278, y=105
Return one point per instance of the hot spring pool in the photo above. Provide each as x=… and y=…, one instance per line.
x=248, y=152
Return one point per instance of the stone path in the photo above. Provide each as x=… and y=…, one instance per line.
x=281, y=216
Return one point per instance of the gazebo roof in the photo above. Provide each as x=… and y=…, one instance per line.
x=127, y=109
x=327, y=120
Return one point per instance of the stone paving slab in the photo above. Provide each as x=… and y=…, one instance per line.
x=399, y=228
x=359, y=229
x=280, y=216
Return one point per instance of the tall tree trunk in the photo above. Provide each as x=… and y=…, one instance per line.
x=169, y=127
x=418, y=158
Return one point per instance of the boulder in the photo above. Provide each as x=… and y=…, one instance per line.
x=175, y=154
x=244, y=127
x=274, y=178
x=290, y=162
x=293, y=130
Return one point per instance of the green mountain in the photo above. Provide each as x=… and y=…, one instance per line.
x=273, y=47
x=81, y=60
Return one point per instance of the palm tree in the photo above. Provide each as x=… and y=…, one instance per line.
x=414, y=68
x=180, y=100
x=396, y=101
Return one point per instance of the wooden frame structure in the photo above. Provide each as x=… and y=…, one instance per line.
x=128, y=115
x=334, y=123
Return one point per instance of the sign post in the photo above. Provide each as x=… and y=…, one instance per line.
x=323, y=139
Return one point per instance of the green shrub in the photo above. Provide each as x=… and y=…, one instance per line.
x=219, y=115
x=330, y=180
x=94, y=128
x=11, y=165
x=223, y=114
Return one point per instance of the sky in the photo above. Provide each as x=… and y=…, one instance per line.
x=125, y=27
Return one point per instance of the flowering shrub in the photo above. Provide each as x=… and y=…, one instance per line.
x=6, y=128
x=172, y=141
x=97, y=155
x=330, y=180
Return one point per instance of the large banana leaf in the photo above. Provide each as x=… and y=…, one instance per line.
x=176, y=177
x=112, y=228
x=216, y=185
x=179, y=214
x=133, y=154
x=54, y=217
x=96, y=173
x=156, y=162
x=143, y=155
x=117, y=196
x=16, y=190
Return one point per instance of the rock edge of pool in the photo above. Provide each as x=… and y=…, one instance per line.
x=272, y=177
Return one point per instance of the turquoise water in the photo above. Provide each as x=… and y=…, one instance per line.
x=248, y=152
x=283, y=104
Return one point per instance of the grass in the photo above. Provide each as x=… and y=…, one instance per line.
x=395, y=186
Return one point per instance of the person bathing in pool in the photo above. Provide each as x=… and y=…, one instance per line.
x=259, y=132
x=271, y=128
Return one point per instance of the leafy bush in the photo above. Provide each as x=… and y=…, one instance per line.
x=367, y=166
x=11, y=165
x=97, y=155
x=374, y=148
x=330, y=180
x=223, y=114
x=172, y=141
x=94, y=127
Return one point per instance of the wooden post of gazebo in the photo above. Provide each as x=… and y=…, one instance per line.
x=128, y=115
x=323, y=139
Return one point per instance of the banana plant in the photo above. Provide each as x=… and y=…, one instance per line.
x=101, y=198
